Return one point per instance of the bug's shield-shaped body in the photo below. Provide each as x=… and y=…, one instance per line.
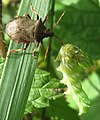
x=21, y=29
x=24, y=29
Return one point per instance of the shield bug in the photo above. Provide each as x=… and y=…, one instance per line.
x=24, y=29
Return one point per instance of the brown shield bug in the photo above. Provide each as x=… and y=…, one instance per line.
x=24, y=29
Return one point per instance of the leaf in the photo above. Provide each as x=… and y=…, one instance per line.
x=93, y=112
x=44, y=88
x=80, y=25
x=1, y=65
x=72, y=61
x=91, y=84
x=92, y=88
x=59, y=110
x=18, y=72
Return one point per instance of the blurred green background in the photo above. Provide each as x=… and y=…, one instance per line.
x=79, y=26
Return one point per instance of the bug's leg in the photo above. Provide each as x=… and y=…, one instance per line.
x=26, y=46
x=27, y=15
x=13, y=51
x=17, y=50
x=46, y=52
x=45, y=20
x=33, y=10
x=36, y=49
x=47, y=49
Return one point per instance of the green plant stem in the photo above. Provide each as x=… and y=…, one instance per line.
x=50, y=40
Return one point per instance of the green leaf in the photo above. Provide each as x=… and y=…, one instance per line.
x=18, y=72
x=92, y=88
x=80, y=25
x=44, y=88
x=91, y=84
x=1, y=65
x=93, y=112
x=59, y=110
x=72, y=61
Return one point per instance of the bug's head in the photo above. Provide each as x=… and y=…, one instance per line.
x=41, y=31
x=48, y=33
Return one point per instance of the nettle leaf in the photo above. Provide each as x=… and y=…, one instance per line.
x=93, y=112
x=59, y=110
x=80, y=25
x=44, y=88
x=72, y=61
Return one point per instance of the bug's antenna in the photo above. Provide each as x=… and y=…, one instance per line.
x=59, y=39
x=56, y=25
x=58, y=20
x=55, y=34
